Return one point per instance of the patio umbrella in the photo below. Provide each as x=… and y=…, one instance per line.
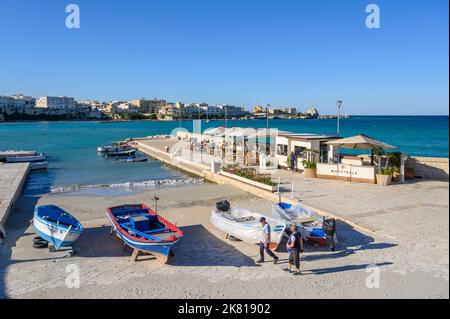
x=361, y=142
x=214, y=131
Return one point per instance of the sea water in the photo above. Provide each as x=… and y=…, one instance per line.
x=75, y=165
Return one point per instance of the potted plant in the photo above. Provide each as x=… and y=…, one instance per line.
x=309, y=169
x=384, y=176
x=309, y=164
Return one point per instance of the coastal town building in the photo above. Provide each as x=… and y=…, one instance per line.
x=148, y=106
x=16, y=101
x=56, y=102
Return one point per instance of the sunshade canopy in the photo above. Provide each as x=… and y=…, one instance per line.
x=360, y=142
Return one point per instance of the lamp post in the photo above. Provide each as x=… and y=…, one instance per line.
x=338, y=103
x=226, y=116
x=267, y=115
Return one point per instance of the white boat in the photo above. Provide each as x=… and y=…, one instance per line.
x=312, y=226
x=25, y=159
x=244, y=225
x=39, y=165
x=56, y=226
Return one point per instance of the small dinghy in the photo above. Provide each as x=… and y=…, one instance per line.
x=244, y=224
x=144, y=230
x=120, y=151
x=134, y=159
x=56, y=226
x=111, y=147
x=39, y=166
x=25, y=159
x=311, y=225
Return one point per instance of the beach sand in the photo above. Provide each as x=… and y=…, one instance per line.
x=206, y=265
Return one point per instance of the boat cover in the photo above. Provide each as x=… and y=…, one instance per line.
x=310, y=224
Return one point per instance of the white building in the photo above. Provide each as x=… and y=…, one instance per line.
x=300, y=144
x=231, y=111
x=56, y=102
x=16, y=101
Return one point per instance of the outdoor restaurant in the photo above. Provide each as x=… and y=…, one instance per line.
x=324, y=156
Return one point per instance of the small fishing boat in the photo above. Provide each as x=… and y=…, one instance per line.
x=311, y=225
x=111, y=147
x=144, y=230
x=120, y=151
x=244, y=224
x=25, y=159
x=56, y=226
x=39, y=166
x=134, y=159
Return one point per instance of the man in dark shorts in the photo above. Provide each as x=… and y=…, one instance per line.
x=295, y=247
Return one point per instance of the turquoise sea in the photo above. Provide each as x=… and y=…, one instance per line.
x=75, y=164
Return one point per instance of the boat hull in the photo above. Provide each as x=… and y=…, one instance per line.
x=53, y=234
x=25, y=159
x=312, y=231
x=248, y=232
x=39, y=166
x=160, y=248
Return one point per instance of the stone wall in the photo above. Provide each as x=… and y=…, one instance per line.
x=429, y=167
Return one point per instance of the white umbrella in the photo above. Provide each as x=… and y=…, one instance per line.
x=360, y=142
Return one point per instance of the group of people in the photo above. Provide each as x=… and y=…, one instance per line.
x=294, y=247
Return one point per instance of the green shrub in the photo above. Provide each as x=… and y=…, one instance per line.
x=251, y=175
x=386, y=171
x=309, y=164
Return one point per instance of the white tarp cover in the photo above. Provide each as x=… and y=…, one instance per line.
x=306, y=219
x=244, y=225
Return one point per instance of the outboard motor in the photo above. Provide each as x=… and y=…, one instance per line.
x=223, y=206
x=329, y=227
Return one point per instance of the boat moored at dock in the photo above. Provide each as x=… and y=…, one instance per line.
x=36, y=166
x=144, y=230
x=25, y=159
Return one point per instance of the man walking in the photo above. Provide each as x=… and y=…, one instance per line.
x=264, y=244
x=294, y=247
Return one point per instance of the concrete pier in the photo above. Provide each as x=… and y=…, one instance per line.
x=12, y=179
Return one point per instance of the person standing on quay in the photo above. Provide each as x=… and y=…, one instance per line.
x=294, y=247
x=264, y=244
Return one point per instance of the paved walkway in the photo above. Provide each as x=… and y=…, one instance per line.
x=12, y=178
x=381, y=209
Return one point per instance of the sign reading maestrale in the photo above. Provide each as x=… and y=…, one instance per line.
x=354, y=173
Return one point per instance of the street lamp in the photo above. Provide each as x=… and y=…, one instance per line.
x=226, y=116
x=338, y=103
x=267, y=115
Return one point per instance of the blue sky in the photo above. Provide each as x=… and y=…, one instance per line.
x=287, y=53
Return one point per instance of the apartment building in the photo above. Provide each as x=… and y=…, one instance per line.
x=148, y=106
x=56, y=102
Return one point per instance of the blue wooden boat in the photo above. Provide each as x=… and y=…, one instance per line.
x=144, y=230
x=56, y=226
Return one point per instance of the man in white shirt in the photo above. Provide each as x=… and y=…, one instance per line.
x=264, y=244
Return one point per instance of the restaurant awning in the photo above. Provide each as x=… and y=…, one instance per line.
x=263, y=133
x=360, y=142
